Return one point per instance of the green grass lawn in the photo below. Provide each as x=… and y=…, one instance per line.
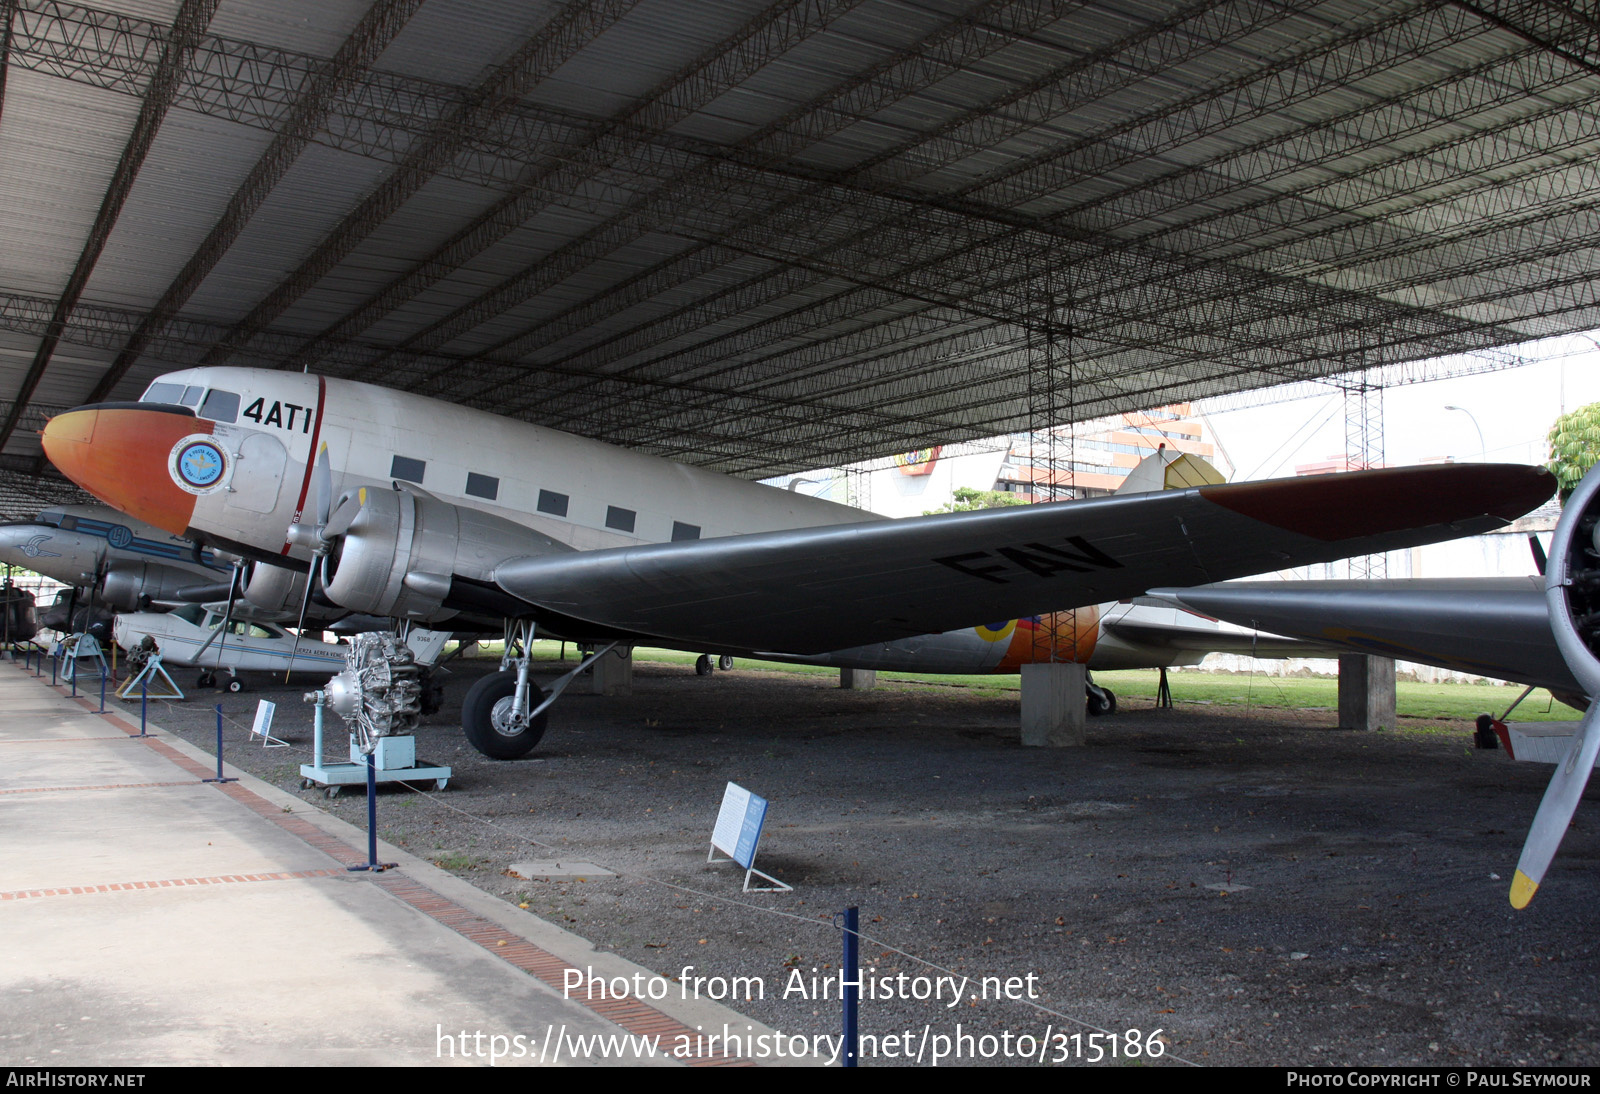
x=1454, y=702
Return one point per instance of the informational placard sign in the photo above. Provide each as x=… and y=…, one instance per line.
x=738, y=834
x=263, y=725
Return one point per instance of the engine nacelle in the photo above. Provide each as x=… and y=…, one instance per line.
x=1572, y=583
x=131, y=586
x=274, y=588
x=396, y=533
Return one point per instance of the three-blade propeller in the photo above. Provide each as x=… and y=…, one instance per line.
x=1572, y=597
x=319, y=537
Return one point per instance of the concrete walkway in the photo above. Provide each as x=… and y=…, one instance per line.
x=147, y=917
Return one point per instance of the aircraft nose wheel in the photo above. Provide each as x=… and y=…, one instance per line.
x=725, y=662
x=702, y=665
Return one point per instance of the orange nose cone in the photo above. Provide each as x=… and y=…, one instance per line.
x=120, y=455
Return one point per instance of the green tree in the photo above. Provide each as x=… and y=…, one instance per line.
x=967, y=499
x=1574, y=446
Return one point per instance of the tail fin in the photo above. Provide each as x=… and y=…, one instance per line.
x=1165, y=469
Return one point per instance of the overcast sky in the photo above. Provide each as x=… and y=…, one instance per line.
x=1514, y=408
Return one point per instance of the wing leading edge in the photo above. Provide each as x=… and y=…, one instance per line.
x=1495, y=626
x=817, y=589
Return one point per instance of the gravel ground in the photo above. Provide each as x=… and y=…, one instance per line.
x=1262, y=888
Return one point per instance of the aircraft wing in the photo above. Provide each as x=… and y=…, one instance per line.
x=1167, y=636
x=1497, y=627
x=816, y=589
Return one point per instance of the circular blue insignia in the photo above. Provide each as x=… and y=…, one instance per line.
x=119, y=536
x=200, y=464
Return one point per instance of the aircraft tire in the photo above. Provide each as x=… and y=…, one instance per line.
x=234, y=685
x=1102, y=702
x=725, y=662
x=484, y=700
x=702, y=665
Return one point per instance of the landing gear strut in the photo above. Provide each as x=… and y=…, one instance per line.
x=1102, y=701
x=503, y=715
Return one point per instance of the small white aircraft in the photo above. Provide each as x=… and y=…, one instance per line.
x=192, y=635
x=438, y=514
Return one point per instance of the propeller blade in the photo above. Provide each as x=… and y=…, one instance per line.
x=324, y=477
x=294, y=650
x=1539, y=560
x=227, y=616
x=349, y=506
x=1555, y=811
x=1569, y=590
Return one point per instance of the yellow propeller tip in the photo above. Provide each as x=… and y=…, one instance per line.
x=1522, y=889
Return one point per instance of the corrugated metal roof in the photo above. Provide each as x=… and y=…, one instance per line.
x=759, y=236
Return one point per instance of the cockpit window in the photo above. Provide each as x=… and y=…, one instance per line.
x=220, y=406
x=163, y=393
x=191, y=395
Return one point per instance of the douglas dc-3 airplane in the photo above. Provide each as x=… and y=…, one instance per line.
x=129, y=563
x=437, y=514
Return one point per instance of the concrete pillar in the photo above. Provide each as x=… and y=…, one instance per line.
x=1366, y=692
x=613, y=673
x=1053, y=705
x=858, y=679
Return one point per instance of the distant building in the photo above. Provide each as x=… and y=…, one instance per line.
x=1082, y=461
x=1093, y=458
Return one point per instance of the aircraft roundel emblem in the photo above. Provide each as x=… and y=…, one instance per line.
x=996, y=632
x=198, y=464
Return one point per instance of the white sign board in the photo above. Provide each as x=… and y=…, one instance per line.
x=738, y=833
x=265, y=709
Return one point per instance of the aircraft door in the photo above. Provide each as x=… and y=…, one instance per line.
x=257, y=474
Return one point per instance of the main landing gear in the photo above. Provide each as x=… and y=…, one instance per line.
x=233, y=685
x=504, y=715
x=703, y=664
x=1102, y=701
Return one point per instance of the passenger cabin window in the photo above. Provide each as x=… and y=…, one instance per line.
x=682, y=531
x=220, y=406
x=482, y=486
x=553, y=503
x=408, y=469
x=619, y=518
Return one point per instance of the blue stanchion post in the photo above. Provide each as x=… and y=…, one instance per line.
x=144, y=704
x=102, y=709
x=219, y=778
x=74, y=672
x=850, y=1050
x=53, y=666
x=372, y=862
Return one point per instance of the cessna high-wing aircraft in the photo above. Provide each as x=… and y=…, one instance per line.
x=435, y=513
x=1543, y=631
